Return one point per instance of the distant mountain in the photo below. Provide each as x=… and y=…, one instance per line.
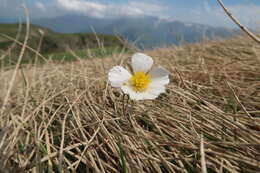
x=153, y=32
x=146, y=32
x=6, y=20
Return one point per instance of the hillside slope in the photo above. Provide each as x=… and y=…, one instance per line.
x=55, y=42
x=66, y=116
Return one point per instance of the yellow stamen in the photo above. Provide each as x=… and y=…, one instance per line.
x=140, y=81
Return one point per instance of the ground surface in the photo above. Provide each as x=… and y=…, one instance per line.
x=66, y=117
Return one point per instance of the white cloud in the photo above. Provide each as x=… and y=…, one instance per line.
x=149, y=8
x=248, y=15
x=40, y=6
x=111, y=10
x=203, y=12
x=3, y=3
x=206, y=6
x=81, y=6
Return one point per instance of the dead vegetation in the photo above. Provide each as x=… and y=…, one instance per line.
x=66, y=118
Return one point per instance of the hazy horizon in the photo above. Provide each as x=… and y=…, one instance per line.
x=203, y=12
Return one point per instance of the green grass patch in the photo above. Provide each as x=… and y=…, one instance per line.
x=64, y=56
x=54, y=45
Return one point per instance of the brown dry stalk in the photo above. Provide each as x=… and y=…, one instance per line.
x=12, y=80
x=243, y=28
x=202, y=153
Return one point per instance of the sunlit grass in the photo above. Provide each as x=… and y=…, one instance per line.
x=65, y=117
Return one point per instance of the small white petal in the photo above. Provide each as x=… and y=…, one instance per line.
x=141, y=62
x=156, y=91
x=118, y=75
x=158, y=72
x=132, y=94
x=159, y=76
x=149, y=94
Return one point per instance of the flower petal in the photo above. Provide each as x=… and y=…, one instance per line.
x=159, y=76
x=141, y=62
x=118, y=75
x=156, y=91
x=132, y=94
x=149, y=94
x=153, y=92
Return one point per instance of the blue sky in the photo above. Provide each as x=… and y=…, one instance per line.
x=196, y=11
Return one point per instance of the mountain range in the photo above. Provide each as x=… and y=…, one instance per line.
x=144, y=32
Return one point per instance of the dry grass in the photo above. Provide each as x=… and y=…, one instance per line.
x=66, y=118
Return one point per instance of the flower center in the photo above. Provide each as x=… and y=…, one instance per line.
x=140, y=81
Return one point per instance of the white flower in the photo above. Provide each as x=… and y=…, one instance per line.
x=145, y=83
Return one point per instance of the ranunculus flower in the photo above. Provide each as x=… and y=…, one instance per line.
x=145, y=82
